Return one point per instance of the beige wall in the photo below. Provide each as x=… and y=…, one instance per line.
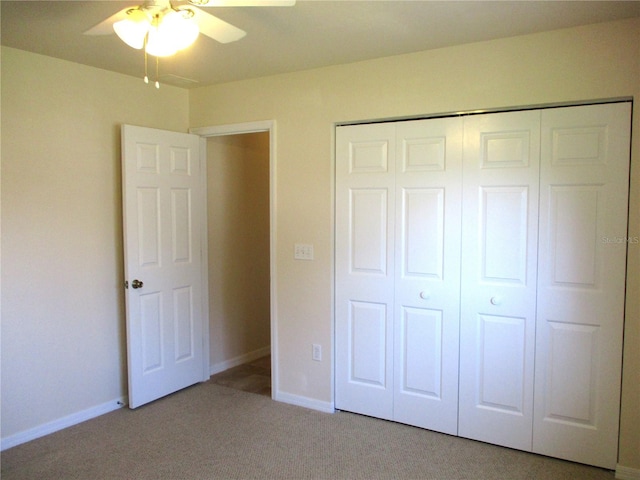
x=238, y=213
x=63, y=345
x=62, y=299
x=592, y=62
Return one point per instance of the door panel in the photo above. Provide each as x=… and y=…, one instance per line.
x=427, y=276
x=368, y=231
x=581, y=283
x=367, y=355
x=365, y=196
x=163, y=204
x=499, y=257
x=421, y=355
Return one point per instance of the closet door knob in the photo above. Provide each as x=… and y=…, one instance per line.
x=425, y=295
x=496, y=300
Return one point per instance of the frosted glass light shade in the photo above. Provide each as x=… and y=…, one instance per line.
x=133, y=29
x=170, y=33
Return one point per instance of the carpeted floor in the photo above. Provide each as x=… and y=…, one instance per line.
x=210, y=431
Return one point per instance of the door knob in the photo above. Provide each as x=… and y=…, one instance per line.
x=425, y=295
x=136, y=284
x=496, y=300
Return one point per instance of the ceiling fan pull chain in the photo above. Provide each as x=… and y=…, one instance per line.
x=157, y=82
x=146, y=76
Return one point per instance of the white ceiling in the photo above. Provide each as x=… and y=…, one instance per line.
x=313, y=33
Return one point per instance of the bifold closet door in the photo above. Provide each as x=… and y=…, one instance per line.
x=581, y=281
x=498, y=294
x=398, y=205
x=427, y=273
x=364, y=269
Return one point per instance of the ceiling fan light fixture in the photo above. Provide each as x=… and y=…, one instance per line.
x=180, y=28
x=133, y=29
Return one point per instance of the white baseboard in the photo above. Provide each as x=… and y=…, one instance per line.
x=62, y=423
x=239, y=360
x=627, y=473
x=306, y=402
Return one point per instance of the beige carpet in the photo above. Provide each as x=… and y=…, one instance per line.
x=213, y=432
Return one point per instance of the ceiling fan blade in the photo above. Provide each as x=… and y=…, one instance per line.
x=105, y=27
x=244, y=3
x=215, y=28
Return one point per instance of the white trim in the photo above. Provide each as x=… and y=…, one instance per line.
x=62, y=423
x=204, y=261
x=627, y=473
x=254, y=127
x=234, y=129
x=300, y=401
x=239, y=360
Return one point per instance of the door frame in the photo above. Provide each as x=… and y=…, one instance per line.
x=239, y=129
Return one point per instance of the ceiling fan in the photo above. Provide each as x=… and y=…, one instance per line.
x=163, y=27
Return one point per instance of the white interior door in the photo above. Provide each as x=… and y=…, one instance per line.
x=498, y=296
x=581, y=282
x=163, y=202
x=365, y=195
x=427, y=273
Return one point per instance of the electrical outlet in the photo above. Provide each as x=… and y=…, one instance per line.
x=316, y=352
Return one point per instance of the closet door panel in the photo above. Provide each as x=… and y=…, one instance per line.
x=583, y=229
x=365, y=199
x=427, y=274
x=498, y=295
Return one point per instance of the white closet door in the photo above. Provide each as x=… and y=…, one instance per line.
x=427, y=273
x=498, y=299
x=365, y=194
x=583, y=229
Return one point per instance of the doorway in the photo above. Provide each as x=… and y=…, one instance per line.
x=238, y=244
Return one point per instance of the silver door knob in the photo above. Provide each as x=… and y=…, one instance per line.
x=136, y=284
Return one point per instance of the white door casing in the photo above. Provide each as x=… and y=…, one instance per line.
x=581, y=281
x=498, y=294
x=163, y=202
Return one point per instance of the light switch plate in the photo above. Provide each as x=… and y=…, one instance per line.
x=302, y=251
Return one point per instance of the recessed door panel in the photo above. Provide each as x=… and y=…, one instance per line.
x=578, y=146
x=423, y=232
x=368, y=323
x=181, y=221
x=572, y=363
x=152, y=332
x=505, y=219
x=423, y=153
x=422, y=352
x=501, y=360
x=574, y=234
x=147, y=158
x=368, y=156
x=183, y=323
x=148, y=226
x=503, y=149
x=368, y=231
x=180, y=159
